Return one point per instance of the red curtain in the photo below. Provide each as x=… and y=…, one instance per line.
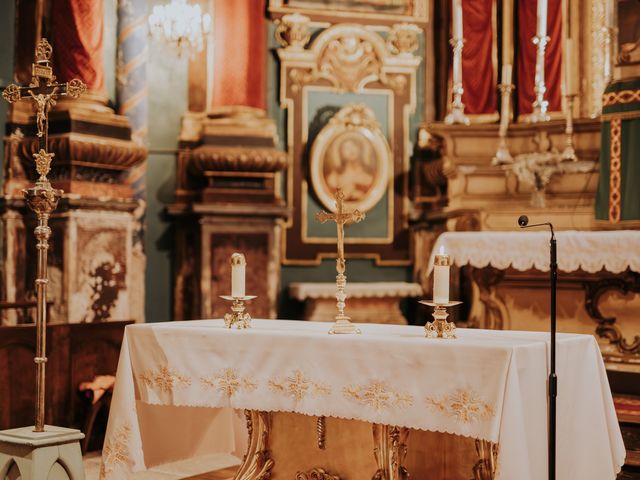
x=527, y=13
x=76, y=36
x=240, y=53
x=477, y=66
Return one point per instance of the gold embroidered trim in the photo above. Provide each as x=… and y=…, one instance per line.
x=297, y=385
x=378, y=395
x=615, y=195
x=465, y=405
x=621, y=97
x=164, y=379
x=115, y=451
x=229, y=382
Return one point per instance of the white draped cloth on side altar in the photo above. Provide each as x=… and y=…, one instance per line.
x=591, y=251
x=486, y=384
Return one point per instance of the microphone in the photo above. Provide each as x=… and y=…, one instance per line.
x=523, y=222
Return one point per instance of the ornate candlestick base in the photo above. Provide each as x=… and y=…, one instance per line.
x=440, y=328
x=343, y=322
x=503, y=156
x=238, y=317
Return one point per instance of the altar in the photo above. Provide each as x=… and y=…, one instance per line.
x=383, y=404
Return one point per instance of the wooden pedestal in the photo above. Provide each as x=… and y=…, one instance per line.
x=50, y=455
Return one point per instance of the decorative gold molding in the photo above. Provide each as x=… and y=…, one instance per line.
x=257, y=463
x=316, y=474
x=350, y=57
x=390, y=450
x=231, y=159
x=485, y=467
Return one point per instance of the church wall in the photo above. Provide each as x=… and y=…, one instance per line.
x=167, y=76
x=6, y=61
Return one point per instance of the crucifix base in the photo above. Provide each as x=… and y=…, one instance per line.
x=343, y=325
x=53, y=454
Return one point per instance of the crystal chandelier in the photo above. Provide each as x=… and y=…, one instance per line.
x=180, y=24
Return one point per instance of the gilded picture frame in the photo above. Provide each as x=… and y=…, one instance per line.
x=351, y=153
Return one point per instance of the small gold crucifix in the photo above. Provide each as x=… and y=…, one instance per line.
x=43, y=89
x=342, y=218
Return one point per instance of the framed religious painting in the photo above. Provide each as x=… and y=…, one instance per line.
x=351, y=153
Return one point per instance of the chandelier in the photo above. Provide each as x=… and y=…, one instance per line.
x=180, y=24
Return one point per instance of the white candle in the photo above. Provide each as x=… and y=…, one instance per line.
x=541, y=29
x=238, y=270
x=441, y=278
x=506, y=74
x=568, y=87
x=457, y=19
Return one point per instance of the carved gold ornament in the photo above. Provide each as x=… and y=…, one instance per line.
x=298, y=386
x=350, y=57
x=115, y=451
x=464, y=405
x=229, y=382
x=164, y=379
x=316, y=474
x=403, y=38
x=378, y=395
x=292, y=31
x=351, y=153
x=621, y=97
x=43, y=51
x=11, y=93
x=75, y=88
x=43, y=163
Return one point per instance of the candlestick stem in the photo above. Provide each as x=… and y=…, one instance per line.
x=540, y=105
x=503, y=156
x=457, y=107
x=569, y=152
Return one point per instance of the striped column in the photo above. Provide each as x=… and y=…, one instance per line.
x=131, y=79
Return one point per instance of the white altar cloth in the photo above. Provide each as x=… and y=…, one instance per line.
x=614, y=251
x=485, y=384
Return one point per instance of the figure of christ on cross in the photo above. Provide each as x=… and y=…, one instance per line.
x=342, y=218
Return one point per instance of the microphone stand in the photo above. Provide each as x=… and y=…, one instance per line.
x=523, y=221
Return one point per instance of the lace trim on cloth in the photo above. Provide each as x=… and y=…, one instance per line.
x=590, y=251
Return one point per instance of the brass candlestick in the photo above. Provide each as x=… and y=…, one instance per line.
x=42, y=198
x=238, y=316
x=540, y=105
x=342, y=322
x=569, y=152
x=440, y=327
x=457, y=107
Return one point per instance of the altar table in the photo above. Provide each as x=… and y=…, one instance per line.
x=488, y=385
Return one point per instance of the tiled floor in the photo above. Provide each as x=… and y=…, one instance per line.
x=211, y=467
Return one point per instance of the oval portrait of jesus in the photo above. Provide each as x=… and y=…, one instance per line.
x=353, y=159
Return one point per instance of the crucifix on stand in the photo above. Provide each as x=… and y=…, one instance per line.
x=342, y=218
x=32, y=452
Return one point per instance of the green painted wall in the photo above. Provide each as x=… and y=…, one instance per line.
x=167, y=77
x=7, y=20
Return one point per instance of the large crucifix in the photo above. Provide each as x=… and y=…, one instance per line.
x=43, y=90
x=342, y=218
x=42, y=198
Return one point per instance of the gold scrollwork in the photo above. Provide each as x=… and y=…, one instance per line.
x=43, y=163
x=390, y=450
x=258, y=463
x=43, y=51
x=316, y=474
x=485, y=467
